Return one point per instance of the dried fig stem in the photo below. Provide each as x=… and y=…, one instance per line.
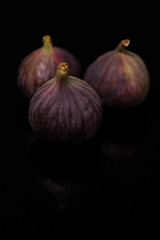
x=122, y=45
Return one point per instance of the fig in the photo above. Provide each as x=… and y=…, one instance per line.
x=119, y=150
x=120, y=77
x=40, y=66
x=65, y=108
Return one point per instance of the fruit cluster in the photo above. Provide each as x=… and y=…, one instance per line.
x=64, y=107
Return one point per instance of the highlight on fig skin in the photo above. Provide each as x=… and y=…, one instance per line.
x=41, y=65
x=120, y=77
x=65, y=109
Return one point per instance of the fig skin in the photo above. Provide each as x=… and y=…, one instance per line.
x=65, y=109
x=120, y=77
x=40, y=66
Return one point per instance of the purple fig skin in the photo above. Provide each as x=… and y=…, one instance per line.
x=41, y=65
x=120, y=77
x=65, y=109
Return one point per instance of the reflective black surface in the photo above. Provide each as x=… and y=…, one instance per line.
x=49, y=187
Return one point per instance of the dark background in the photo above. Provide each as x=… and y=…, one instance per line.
x=113, y=176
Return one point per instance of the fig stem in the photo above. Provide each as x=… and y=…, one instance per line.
x=122, y=45
x=62, y=70
x=47, y=42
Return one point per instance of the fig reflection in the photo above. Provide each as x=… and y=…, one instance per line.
x=123, y=133
x=67, y=172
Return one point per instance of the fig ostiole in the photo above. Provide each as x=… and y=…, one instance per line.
x=65, y=109
x=120, y=77
x=40, y=66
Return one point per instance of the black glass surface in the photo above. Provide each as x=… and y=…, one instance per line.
x=49, y=187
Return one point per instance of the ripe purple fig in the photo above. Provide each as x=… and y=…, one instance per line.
x=41, y=65
x=120, y=77
x=65, y=109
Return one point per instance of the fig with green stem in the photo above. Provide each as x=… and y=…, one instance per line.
x=120, y=77
x=40, y=66
x=65, y=109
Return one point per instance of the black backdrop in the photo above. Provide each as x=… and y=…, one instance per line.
x=48, y=188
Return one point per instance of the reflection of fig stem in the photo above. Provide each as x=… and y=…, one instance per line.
x=62, y=205
x=122, y=45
